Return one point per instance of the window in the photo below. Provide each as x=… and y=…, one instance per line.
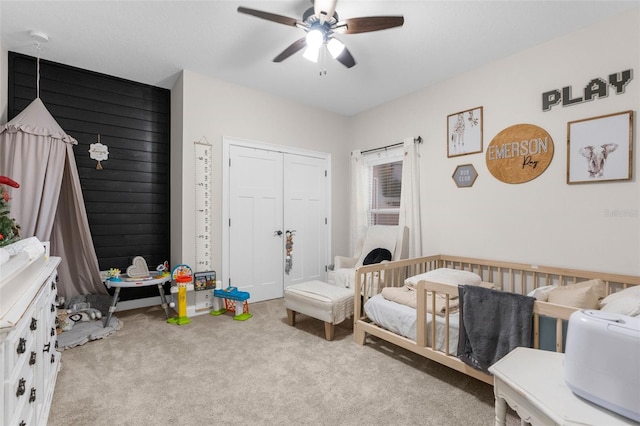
x=384, y=176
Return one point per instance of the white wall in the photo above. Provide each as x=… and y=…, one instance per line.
x=544, y=221
x=212, y=109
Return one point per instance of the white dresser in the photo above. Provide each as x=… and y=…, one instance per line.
x=28, y=341
x=531, y=381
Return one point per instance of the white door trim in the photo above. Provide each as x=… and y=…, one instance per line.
x=227, y=141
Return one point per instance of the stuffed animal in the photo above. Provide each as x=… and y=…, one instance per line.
x=79, y=312
x=85, y=308
x=63, y=323
x=81, y=316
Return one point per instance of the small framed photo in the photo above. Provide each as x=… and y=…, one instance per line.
x=599, y=149
x=204, y=280
x=464, y=132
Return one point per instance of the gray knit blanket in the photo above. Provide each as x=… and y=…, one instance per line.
x=492, y=323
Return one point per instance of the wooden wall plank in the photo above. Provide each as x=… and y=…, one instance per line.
x=127, y=202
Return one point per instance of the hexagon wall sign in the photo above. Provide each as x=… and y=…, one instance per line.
x=465, y=175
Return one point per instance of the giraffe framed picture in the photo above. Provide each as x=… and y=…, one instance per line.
x=464, y=132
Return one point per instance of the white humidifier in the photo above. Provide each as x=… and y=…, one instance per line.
x=602, y=360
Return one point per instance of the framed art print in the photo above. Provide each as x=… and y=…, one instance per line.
x=464, y=132
x=599, y=149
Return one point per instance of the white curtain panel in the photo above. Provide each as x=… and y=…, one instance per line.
x=38, y=154
x=410, y=196
x=358, y=210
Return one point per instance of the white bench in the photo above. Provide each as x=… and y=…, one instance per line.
x=321, y=301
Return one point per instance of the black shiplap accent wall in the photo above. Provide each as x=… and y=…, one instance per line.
x=127, y=201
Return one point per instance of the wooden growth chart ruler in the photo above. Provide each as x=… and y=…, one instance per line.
x=203, y=225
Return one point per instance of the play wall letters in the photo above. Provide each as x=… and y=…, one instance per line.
x=596, y=88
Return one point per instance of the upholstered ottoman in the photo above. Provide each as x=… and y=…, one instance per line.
x=321, y=301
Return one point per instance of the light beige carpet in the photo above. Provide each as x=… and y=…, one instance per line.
x=257, y=372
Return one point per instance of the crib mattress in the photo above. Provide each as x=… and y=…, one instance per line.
x=401, y=319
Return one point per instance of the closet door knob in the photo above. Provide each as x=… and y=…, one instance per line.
x=278, y=233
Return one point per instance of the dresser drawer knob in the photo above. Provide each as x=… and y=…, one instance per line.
x=34, y=324
x=47, y=347
x=53, y=359
x=32, y=358
x=53, y=307
x=32, y=396
x=53, y=332
x=22, y=346
x=20, y=390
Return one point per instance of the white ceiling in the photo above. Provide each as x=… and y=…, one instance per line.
x=152, y=41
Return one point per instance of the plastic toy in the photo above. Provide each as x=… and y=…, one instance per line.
x=113, y=274
x=183, y=275
x=234, y=300
x=163, y=268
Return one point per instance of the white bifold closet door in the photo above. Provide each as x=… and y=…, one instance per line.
x=271, y=194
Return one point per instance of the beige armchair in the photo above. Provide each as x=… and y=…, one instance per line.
x=391, y=237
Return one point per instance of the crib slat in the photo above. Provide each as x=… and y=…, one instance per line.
x=536, y=331
x=558, y=335
x=433, y=320
x=446, y=326
x=421, y=321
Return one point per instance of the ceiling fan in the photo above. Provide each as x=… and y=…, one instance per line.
x=321, y=23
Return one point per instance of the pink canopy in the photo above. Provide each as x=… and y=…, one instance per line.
x=38, y=154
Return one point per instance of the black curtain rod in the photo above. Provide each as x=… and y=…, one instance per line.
x=415, y=140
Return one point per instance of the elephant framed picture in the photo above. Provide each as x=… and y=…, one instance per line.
x=464, y=132
x=599, y=149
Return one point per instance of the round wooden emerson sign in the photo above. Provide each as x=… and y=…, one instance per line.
x=519, y=153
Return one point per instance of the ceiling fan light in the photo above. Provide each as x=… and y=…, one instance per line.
x=311, y=54
x=335, y=47
x=315, y=39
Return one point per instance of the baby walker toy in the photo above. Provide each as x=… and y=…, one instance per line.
x=183, y=276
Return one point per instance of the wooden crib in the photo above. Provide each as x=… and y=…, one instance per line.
x=513, y=277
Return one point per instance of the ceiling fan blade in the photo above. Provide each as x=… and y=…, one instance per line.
x=293, y=48
x=372, y=23
x=345, y=58
x=270, y=16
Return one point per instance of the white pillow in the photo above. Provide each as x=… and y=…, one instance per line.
x=583, y=295
x=378, y=236
x=542, y=293
x=625, y=302
x=446, y=276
